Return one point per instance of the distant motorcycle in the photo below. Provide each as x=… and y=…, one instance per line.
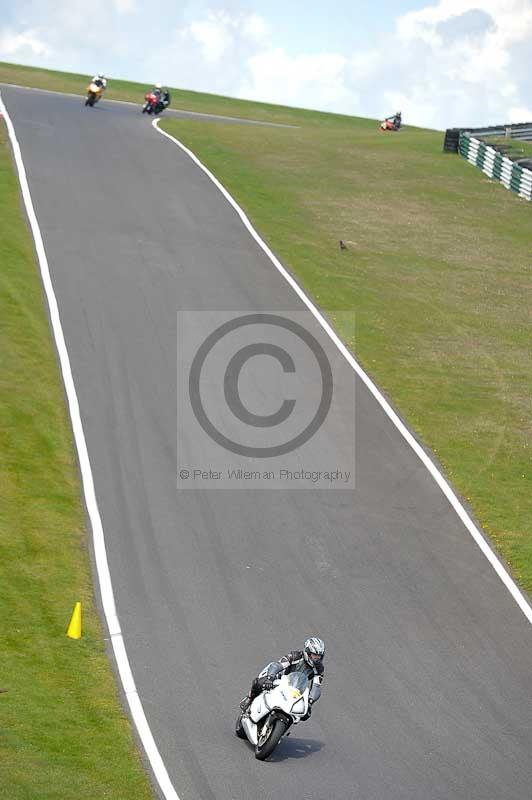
x=391, y=124
x=154, y=104
x=94, y=93
x=272, y=713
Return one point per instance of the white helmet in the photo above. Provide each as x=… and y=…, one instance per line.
x=314, y=650
x=158, y=86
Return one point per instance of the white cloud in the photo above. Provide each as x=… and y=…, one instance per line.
x=306, y=80
x=218, y=33
x=24, y=43
x=214, y=35
x=210, y=53
x=449, y=63
x=452, y=62
x=457, y=58
x=255, y=27
x=519, y=114
x=69, y=35
x=126, y=6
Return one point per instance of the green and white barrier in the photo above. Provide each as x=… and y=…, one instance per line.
x=495, y=165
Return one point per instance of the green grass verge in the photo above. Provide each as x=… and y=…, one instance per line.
x=63, y=733
x=438, y=272
x=190, y=101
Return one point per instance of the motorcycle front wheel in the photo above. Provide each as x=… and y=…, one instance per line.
x=271, y=738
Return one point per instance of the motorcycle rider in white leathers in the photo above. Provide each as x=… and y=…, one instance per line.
x=100, y=80
x=308, y=660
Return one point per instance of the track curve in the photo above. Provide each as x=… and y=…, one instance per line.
x=428, y=681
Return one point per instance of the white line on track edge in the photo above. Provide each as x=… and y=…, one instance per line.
x=102, y=565
x=403, y=430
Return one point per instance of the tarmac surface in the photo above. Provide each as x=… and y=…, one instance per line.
x=428, y=682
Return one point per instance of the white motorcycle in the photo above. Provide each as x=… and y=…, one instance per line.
x=272, y=713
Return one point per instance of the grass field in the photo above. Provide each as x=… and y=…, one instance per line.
x=64, y=733
x=438, y=271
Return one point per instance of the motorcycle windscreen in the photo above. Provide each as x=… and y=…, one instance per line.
x=298, y=680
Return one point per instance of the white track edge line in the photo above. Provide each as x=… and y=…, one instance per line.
x=403, y=430
x=172, y=111
x=102, y=565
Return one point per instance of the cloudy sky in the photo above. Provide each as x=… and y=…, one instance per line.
x=444, y=63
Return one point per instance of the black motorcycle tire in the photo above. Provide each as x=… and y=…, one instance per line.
x=239, y=730
x=262, y=752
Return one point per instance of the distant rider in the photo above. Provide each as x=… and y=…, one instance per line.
x=396, y=120
x=162, y=95
x=309, y=661
x=100, y=80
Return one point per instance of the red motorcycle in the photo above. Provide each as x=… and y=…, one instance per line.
x=391, y=123
x=154, y=104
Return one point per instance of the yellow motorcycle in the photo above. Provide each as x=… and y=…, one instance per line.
x=94, y=92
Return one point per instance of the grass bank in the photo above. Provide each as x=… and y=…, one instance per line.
x=64, y=733
x=438, y=271
x=117, y=89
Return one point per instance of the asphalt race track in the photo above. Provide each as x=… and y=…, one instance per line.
x=428, y=684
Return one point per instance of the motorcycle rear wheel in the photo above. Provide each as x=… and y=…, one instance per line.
x=264, y=750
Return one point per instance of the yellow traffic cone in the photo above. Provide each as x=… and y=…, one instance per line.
x=74, y=629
